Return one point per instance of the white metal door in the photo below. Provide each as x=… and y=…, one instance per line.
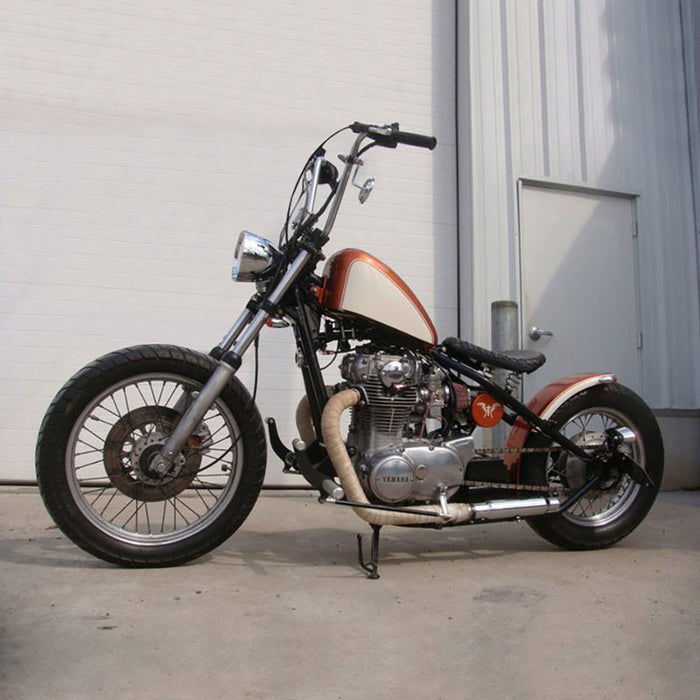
x=578, y=282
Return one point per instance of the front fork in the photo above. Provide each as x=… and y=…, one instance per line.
x=240, y=336
x=245, y=330
x=192, y=417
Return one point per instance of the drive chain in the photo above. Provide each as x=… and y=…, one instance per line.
x=506, y=486
x=493, y=451
x=497, y=451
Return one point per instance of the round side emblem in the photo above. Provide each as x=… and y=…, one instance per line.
x=486, y=411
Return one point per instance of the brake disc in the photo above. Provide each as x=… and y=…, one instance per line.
x=133, y=443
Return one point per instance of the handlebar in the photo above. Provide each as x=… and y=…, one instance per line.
x=389, y=136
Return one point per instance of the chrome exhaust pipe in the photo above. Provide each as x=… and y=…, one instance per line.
x=515, y=508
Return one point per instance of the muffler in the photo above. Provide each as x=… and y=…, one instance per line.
x=515, y=508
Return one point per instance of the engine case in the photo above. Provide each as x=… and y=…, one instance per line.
x=418, y=470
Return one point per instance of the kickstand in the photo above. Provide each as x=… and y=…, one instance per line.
x=372, y=565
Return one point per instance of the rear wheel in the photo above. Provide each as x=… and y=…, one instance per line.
x=612, y=509
x=98, y=442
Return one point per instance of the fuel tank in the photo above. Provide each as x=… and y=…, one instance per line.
x=356, y=283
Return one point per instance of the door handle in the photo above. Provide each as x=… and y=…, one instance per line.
x=536, y=333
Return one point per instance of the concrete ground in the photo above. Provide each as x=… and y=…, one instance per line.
x=282, y=611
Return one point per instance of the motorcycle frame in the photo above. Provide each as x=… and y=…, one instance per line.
x=283, y=297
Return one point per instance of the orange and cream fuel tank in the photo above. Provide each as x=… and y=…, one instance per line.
x=356, y=282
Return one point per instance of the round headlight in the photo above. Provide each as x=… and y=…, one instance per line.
x=255, y=257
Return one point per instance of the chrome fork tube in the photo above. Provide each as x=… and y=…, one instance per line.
x=214, y=386
x=192, y=417
x=274, y=298
x=235, y=330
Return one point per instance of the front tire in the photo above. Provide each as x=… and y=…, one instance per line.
x=98, y=440
x=612, y=510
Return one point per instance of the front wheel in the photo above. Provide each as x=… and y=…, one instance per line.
x=618, y=503
x=99, y=439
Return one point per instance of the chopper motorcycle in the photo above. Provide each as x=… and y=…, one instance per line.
x=154, y=455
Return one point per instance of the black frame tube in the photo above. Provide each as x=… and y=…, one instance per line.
x=519, y=408
x=311, y=369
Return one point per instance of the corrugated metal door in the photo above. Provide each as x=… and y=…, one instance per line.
x=592, y=93
x=578, y=282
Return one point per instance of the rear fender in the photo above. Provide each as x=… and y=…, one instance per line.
x=544, y=404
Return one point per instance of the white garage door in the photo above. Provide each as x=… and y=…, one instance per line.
x=138, y=139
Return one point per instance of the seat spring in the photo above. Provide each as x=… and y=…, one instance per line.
x=513, y=381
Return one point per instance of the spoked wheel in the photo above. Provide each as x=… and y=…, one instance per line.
x=98, y=444
x=618, y=503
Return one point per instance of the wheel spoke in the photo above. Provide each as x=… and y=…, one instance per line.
x=148, y=520
x=100, y=493
x=139, y=390
x=88, y=464
x=126, y=400
x=186, y=505
x=198, y=493
x=168, y=401
x=204, y=486
x=109, y=503
x=117, y=412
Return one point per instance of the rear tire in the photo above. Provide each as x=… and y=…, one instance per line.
x=99, y=437
x=607, y=514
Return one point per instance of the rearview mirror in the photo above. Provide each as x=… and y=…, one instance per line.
x=366, y=190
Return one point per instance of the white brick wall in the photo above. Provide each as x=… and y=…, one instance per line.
x=137, y=139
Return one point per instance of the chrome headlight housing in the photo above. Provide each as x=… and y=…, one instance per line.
x=255, y=258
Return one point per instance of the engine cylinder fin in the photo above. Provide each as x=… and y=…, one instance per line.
x=385, y=415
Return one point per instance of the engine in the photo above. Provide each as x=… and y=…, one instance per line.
x=396, y=454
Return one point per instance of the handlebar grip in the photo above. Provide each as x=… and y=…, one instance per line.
x=419, y=140
x=389, y=136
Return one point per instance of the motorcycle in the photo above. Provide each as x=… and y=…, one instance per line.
x=154, y=455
